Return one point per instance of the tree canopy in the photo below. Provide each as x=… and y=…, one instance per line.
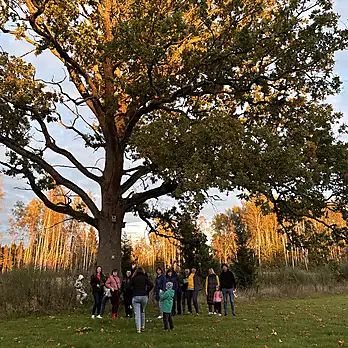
x=227, y=94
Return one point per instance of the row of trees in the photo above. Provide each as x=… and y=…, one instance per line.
x=44, y=239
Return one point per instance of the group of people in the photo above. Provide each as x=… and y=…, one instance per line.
x=174, y=291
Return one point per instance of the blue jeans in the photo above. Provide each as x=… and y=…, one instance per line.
x=226, y=293
x=104, y=301
x=97, y=296
x=139, y=305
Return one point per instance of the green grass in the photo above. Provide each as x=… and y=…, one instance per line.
x=310, y=322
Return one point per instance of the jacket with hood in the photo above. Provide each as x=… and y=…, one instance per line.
x=167, y=300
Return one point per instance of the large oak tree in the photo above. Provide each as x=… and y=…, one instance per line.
x=204, y=93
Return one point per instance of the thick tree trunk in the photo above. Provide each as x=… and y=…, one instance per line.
x=109, y=252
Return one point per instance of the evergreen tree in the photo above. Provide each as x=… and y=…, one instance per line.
x=245, y=268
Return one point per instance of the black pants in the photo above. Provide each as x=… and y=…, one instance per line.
x=192, y=296
x=178, y=302
x=115, y=301
x=128, y=304
x=184, y=300
x=97, y=296
x=168, y=317
x=217, y=307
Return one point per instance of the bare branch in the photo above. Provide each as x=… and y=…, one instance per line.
x=139, y=198
x=59, y=179
x=134, y=178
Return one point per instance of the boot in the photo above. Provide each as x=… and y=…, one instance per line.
x=113, y=316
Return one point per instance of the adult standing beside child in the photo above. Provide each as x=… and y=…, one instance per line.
x=211, y=282
x=127, y=294
x=228, y=285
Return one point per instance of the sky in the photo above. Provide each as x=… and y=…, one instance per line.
x=48, y=68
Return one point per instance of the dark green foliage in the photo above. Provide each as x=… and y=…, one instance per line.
x=127, y=255
x=245, y=267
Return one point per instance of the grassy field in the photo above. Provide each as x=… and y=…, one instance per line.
x=310, y=322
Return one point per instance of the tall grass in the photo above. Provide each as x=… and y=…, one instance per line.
x=28, y=291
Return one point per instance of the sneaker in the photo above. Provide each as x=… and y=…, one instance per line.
x=99, y=316
x=138, y=331
x=215, y=313
x=81, y=302
x=159, y=317
x=225, y=314
x=93, y=316
x=219, y=314
x=210, y=313
x=234, y=314
x=197, y=313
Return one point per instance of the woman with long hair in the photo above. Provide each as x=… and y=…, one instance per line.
x=141, y=287
x=97, y=284
x=211, y=282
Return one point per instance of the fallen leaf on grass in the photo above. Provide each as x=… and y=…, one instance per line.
x=217, y=321
x=280, y=341
x=69, y=327
x=50, y=340
x=341, y=342
x=134, y=342
x=274, y=333
x=257, y=337
x=265, y=346
x=110, y=340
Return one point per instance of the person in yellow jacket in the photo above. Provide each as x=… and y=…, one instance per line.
x=193, y=288
x=211, y=282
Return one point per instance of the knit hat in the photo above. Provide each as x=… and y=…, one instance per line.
x=169, y=285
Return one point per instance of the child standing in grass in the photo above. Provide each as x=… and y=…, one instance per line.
x=217, y=300
x=166, y=298
x=80, y=291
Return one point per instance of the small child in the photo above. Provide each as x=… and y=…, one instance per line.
x=167, y=304
x=80, y=291
x=217, y=301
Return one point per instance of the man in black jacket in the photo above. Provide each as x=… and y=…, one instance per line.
x=228, y=285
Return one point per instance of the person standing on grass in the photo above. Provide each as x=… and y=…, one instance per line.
x=127, y=294
x=217, y=301
x=228, y=286
x=194, y=287
x=167, y=299
x=178, y=276
x=80, y=291
x=184, y=293
x=211, y=282
x=160, y=283
x=141, y=287
x=114, y=284
x=97, y=284
x=171, y=278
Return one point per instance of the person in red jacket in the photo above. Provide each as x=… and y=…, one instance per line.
x=114, y=284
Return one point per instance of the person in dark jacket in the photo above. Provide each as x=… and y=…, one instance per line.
x=227, y=285
x=171, y=278
x=160, y=283
x=97, y=284
x=141, y=287
x=211, y=282
x=127, y=294
x=179, y=277
x=194, y=287
x=184, y=285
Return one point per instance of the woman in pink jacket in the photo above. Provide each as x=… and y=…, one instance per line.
x=114, y=284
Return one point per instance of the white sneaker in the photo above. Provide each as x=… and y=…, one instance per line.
x=215, y=313
x=219, y=314
x=93, y=316
x=210, y=313
x=99, y=316
x=159, y=317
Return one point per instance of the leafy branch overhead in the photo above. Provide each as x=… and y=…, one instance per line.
x=225, y=94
